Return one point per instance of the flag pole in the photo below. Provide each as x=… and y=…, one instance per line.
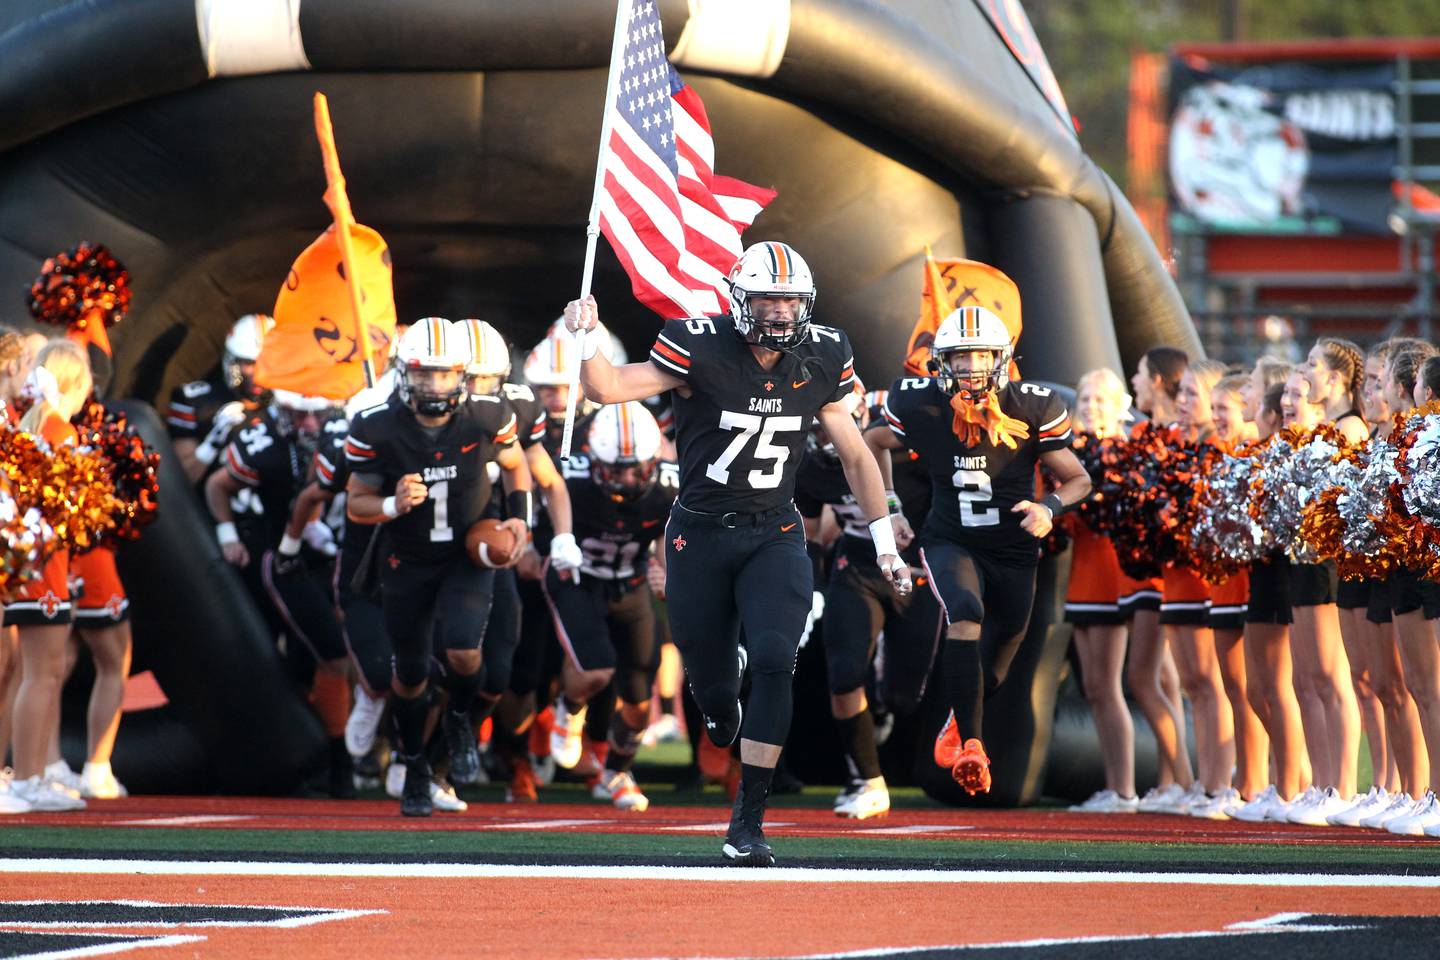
x=592, y=229
x=339, y=203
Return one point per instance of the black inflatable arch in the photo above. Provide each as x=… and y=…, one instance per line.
x=468, y=131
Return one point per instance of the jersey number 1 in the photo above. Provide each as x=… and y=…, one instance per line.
x=441, y=532
x=765, y=449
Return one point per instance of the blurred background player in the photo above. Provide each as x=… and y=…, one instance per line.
x=203, y=413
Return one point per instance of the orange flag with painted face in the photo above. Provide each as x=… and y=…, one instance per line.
x=313, y=348
x=954, y=283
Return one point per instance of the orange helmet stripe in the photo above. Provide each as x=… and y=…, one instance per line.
x=782, y=262
x=437, y=335
x=627, y=432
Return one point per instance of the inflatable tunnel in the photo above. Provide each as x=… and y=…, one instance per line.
x=179, y=133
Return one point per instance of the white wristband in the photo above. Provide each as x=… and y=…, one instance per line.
x=589, y=342
x=205, y=453
x=289, y=546
x=226, y=533
x=884, y=537
x=387, y=507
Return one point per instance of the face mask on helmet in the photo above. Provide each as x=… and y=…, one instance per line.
x=299, y=417
x=624, y=444
x=431, y=367
x=971, y=353
x=242, y=349
x=772, y=295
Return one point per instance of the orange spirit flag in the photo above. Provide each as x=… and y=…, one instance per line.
x=949, y=285
x=314, y=348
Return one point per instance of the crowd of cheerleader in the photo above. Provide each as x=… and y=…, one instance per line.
x=1268, y=541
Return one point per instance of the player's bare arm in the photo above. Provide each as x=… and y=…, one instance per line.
x=515, y=475
x=368, y=504
x=604, y=382
x=1074, y=487
x=221, y=486
x=863, y=474
x=552, y=488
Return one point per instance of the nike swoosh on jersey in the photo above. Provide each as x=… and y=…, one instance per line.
x=786, y=528
x=796, y=385
x=469, y=446
x=650, y=523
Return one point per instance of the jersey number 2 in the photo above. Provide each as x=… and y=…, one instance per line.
x=765, y=449
x=975, y=492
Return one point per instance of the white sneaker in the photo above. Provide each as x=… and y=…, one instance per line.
x=1373, y=802
x=544, y=769
x=395, y=780
x=1194, y=797
x=1107, y=801
x=10, y=802
x=1317, y=814
x=1159, y=799
x=1304, y=802
x=1256, y=810
x=620, y=789
x=848, y=791
x=1426, y=812
x=565, y=743
x=1222, y=806
x=45, y=796
x=1399, y=805
x=442, y=796
x=664, y=730
x=67, y=779
x=871, y=800
x=364, y=720
x=97, y=782
x=1432, y=830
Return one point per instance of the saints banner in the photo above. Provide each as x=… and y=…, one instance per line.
x=1284, y=147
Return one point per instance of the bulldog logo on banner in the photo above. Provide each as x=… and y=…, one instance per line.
x=314, y=348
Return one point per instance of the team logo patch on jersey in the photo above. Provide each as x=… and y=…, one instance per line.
x=769, y=385
x=50, y=604
x=679, y=542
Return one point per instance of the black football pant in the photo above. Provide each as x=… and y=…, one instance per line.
x=972, y=586
x=502, y=634
x=304, y=606
x=756, y=575
x=603, y=625
x=432, y=606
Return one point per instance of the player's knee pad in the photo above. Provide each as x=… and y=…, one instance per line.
x=413, y=670
x=964, y=606
x=721, y=711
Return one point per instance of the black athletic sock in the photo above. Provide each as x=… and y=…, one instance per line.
x=462, y=688
x=667, y=705
x=481, y=709
x=755, y=782
x=410, y=721
x=602, y=711
x=965, y=685
x=857, y=739
x=624, y=744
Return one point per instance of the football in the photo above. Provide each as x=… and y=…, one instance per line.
x=490, y=545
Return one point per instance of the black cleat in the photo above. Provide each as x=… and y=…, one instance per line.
x=415, y=800
x=461, y=745
x=745, y=844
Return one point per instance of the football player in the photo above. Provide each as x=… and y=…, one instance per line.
x=271, y=456
x=204, y=413
x=605, y=616
x=486, y=375
x=745, y=388
x=418, y=464
x=859, y=607
x=980, y=436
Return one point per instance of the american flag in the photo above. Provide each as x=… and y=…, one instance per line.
x=673, y=223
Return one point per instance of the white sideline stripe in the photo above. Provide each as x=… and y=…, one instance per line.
x=247, y=868
x=185, y=821
x=122, y=944
x=716, y=827
x=915, y=828
x=540, y=824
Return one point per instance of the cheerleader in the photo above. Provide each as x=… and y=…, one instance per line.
x=1184, y=614
x=1269, y=674
x=1092, y=607
x=1415, y=608
x=1323, y=687
x=1228, y=601
x=41, y=611
x=1150, y=667
x=1427, y=382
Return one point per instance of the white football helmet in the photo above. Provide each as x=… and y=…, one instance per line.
x=624, y=444
x=433, y=343
x=610, y=344
x=971, y=328
x=242, y=345
x=489, y=353
x=771, y=269
x=291, y=412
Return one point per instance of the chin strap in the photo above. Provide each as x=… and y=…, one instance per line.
x=972, y=417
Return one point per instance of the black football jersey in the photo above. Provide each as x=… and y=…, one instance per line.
x=272, y=465
x=821, y=482
x=741, y=432
x=387, y=442
x=193, y=407
x=530, y=416
x=615, y=535
x=975, y=487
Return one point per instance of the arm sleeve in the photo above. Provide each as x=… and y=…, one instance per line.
x=671, y=351
x=1054, y=429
